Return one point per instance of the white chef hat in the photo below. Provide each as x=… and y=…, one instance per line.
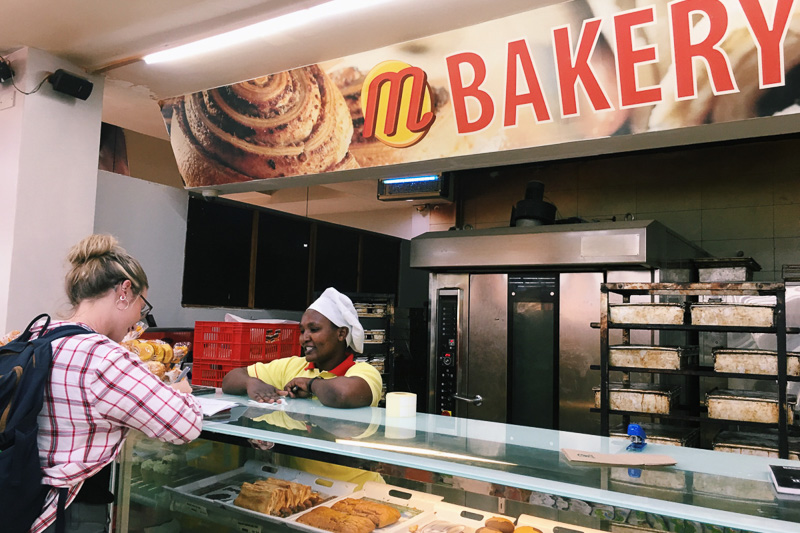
x=338, y=308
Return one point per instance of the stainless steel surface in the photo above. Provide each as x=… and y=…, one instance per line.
x=645, y=243
x=579, y=347
x=447, y=284
x=488, y=346
x=477, y=264
x=476, y=400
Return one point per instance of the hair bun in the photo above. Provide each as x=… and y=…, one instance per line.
x=92, y=247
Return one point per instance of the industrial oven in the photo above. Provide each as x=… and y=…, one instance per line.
x=511, y=336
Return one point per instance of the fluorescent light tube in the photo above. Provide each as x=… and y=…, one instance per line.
x=415, y=179
x=281, y=24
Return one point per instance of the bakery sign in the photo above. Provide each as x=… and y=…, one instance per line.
x=573, y=71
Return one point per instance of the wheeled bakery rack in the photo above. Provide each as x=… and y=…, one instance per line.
x=690, y=292
x=376, y=314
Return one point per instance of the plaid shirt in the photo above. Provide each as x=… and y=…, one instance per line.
x=96, y=393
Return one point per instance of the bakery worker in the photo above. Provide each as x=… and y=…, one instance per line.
x=330, y=335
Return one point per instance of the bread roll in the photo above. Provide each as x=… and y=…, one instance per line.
x=330, y=520
x=381, y=515
x=501, y=524
x=156, y=368
x=527, y=529
x=285, y=124
x=144, y=350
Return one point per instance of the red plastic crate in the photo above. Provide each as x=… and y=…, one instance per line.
x=210, y=374
x=237, y=344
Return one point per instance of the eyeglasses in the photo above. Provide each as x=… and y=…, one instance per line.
x=147, y=308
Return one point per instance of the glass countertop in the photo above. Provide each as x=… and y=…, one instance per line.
x=709, y=487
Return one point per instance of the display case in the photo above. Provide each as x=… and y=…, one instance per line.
x=441, y=464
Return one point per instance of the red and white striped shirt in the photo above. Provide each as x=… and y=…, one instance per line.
x=96, y=393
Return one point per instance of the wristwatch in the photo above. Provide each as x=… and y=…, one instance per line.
x=311, y=384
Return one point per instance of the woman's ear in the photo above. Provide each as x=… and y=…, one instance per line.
x=342, y=332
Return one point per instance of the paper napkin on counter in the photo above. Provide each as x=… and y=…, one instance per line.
x=622, y=459
x=214, y=407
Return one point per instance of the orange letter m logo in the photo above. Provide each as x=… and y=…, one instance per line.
x=398, y=93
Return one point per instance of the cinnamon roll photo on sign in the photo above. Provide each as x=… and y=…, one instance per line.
x=286, y=124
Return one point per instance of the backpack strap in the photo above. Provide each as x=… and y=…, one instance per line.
x=26, y=335
x=64, y=331
x=61, y=519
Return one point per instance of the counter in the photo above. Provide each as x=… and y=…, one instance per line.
x=727, y=490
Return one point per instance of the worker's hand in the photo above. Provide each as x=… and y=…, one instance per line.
x=182, y=386
x=263, y=392
x=298, y=388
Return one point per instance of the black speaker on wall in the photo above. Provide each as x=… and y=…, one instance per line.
x=70, y=84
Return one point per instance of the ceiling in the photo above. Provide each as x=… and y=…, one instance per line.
x=111, y=37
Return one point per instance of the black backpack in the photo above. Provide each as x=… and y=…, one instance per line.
x=24, y=372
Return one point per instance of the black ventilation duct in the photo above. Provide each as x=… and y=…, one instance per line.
x=533, y=210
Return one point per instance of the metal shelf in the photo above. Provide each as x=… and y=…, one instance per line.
x=626, y=290
x=703, y=371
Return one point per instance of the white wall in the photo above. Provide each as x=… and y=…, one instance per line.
x=149, y=220
x=49, y=147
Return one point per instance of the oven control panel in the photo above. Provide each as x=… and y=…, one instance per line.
x=446, y=350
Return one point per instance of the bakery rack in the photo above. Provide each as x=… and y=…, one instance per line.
x=690, y=292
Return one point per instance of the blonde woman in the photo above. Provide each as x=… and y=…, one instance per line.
x=97, y=390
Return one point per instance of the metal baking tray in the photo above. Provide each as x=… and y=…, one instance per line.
x=415, y=507
x=370, y=310
x=737, y=315
x=660, y=357
x=743, y=490
x=646, y=313
x=741, y=361
x=663, y=434
x=747, y=406
x=764, y=444
x=208, y=496
x=639, y=397
x=374, y=336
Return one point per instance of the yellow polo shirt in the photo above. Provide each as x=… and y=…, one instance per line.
x=281, y=371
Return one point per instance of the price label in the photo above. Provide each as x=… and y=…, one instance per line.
x=196, y=509
x=244, y=527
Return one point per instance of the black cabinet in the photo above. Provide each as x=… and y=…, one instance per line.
x=282, y=262
x=240, y=256
x=336, y=258
x=216, y=270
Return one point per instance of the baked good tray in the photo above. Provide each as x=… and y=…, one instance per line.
x=415, y=507
x=448, y=517
x=550, y=526
x=213, y=497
